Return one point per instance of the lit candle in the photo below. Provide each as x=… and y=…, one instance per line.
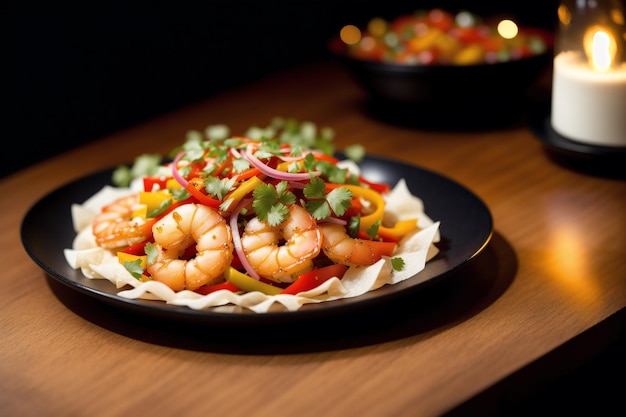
x=589, y=93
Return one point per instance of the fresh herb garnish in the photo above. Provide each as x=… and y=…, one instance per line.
x=270, y=202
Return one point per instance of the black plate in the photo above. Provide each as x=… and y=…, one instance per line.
x=466, y=228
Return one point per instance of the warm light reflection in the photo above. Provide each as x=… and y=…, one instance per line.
x=568, y=259
x=617, y=16
x=600, y=48
x=377, y=27
x=350, y=34
x=564, y=14
x=568, y=263
x=507, y=29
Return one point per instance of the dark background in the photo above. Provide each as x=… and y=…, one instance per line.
x=72, y=74
x=76, y=73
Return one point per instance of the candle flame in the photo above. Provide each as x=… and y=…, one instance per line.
x=601, y=49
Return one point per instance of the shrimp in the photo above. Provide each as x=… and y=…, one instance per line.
x=340, y=248
x=280, y=253
x=114, y=227
x=176, y=232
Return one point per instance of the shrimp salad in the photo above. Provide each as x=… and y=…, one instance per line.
x=238, y=223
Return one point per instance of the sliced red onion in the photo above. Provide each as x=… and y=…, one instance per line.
x=175, y=173
x=234, y=152
x=237, y=239
x=274, y=173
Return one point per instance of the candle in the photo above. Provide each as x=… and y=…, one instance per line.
x=589, y=95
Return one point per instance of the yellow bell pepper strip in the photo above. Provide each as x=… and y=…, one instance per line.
x=153, y=199
x=315, y=278
x=248, y=284
x=126, y=257
x=208, y=289
x=398, y=231
x=284, y=166
x=172, y=184
x=370, y=195
x=140, y=211
x=244, y=189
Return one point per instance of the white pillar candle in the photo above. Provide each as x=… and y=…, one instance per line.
x=588, y=105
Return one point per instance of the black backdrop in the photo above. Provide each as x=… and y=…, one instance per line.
x=76, y=73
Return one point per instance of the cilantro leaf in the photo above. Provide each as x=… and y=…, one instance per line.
x=284, y=195
x=277, y=214
x=240, y=165
x=134, y=267
x=270, y=203
x=319, y=209
x=355, y=152
x=165, y=204
x=372, y=231
x=339, y=200
x=122, y=176
x=354, y=225
x=321, y=205
x=180, y=194
x=397, y=263
x=152, y=253
x=315, y=188
x=218, y=187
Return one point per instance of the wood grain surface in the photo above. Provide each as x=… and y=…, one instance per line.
x=554, y=270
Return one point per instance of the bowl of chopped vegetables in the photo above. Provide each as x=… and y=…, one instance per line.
x=443, y=64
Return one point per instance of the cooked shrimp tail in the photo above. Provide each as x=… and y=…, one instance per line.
x=176, y=232
x=280, y=253
x=115, y=227
x=339, y=247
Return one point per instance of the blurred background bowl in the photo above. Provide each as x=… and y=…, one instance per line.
x=448, y=95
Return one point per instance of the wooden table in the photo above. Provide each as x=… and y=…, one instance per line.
x=547, y=293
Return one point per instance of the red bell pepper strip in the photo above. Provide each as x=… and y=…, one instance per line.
x=207, y=289
x=321, y=156
x=160, y=181
x=244, y=175
x=315, y=278
x=377, y=247
x=382, y=188
x=138, y=249
x=202, y=198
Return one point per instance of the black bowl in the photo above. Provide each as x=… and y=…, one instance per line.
x=435, y=93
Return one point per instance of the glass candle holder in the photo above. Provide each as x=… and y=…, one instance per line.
x=589, y=77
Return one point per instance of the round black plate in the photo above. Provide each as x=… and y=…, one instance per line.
x=466, y=228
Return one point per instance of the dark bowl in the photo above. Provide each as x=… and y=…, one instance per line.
x=440, y=92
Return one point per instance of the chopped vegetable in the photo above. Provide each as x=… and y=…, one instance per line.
x=313, y=279
x=271, y=213
x=439, y=37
